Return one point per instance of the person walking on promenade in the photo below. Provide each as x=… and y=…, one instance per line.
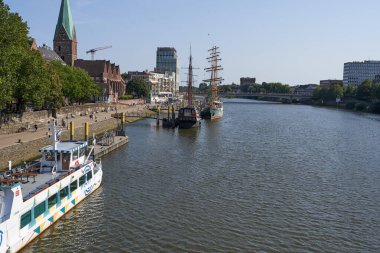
x=35, y=127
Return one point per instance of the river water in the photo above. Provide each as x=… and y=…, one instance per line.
x=266, y=178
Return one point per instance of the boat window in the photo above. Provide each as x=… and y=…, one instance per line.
x=89, y=175
x=52, y=200
x=49, y=157
x=82, y=180
x=82, y=152
x=64, y=192
x=26, y=218
x=73, y=186
x=39, y=209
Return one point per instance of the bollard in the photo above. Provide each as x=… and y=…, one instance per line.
x=71, y=131
x=158, y=117
x=86, y=131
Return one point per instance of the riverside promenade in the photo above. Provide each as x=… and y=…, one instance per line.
x=24, y=146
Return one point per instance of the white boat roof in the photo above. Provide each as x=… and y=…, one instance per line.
x=65, y=147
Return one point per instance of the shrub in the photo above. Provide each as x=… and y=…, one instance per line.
x=375, y=108
x=350, y=105
x=126, y=97
x=361, y=107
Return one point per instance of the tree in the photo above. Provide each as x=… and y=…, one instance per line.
x=335, y=91
x=14, y=43
x=138, y=87
x=364, y=90
x=77, y=85
x=203, y=86
x=376, y=91
x=350, y=91
x=31, y=82
x=124, y=76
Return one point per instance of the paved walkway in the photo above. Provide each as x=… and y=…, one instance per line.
x=7, y=140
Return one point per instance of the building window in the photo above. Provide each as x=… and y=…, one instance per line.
x=73, y=186
x=26, y=218
x=52, y=201
x=63, y=58
x=64, y=192
x=82, y=180
x=39, y=209
x=59, y=48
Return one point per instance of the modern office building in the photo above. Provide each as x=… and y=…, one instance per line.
x=167, y=62
x=247, y=80
x=357, y=72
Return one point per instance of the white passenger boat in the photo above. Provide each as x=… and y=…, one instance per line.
x=32, y=199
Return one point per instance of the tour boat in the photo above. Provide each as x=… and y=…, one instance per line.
x=32, y=199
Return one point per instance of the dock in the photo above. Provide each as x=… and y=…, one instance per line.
x=102, y=149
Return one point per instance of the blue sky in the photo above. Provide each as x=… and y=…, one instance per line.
x=290, y=41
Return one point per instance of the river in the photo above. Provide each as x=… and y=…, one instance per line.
x=266, y=178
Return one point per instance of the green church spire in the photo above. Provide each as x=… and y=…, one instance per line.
x=65, y=19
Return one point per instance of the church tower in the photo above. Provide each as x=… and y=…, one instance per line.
x=65, y=38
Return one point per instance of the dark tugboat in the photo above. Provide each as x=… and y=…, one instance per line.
x=188, y=117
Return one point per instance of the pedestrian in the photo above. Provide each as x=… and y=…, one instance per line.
x=35, y=127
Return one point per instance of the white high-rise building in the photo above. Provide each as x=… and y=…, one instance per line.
x=357, y=72
x=167, y=62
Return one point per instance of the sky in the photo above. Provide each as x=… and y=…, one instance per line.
x=289, y=41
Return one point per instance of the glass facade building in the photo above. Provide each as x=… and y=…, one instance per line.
x=357, y=72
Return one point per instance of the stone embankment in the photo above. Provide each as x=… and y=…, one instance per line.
x=20, y=147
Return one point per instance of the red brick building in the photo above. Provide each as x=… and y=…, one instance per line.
x=106, y=75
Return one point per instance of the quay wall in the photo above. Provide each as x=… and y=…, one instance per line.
x=27, y=151
x=26, y=121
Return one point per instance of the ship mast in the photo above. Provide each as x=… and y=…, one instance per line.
x=215, y=67
x=190, y=82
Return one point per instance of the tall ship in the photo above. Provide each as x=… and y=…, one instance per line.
x=33, y=198
x=214, y=106
x=188, y=117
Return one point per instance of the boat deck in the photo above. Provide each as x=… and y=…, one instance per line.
x=40, y=182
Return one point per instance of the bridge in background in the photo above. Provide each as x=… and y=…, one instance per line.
x=283, y=96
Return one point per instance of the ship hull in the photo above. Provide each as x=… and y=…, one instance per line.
x=189, y=124
x=54, y=214
x=212, y=113
x=188, y=117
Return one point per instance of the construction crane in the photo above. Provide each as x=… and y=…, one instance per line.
x=92, y=51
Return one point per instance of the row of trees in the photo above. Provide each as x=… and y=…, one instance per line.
x=26, y=79
x=367, y=91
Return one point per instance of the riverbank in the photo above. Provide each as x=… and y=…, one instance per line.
x=349, y=104
x=20, y=147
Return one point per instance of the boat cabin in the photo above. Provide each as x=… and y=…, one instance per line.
x=64, y=156
x=187, y=113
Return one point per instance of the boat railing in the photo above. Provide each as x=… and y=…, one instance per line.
x=108, y=138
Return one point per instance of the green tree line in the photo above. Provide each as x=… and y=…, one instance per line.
x=27, y=80
x=367, y=91
x=365, y=97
